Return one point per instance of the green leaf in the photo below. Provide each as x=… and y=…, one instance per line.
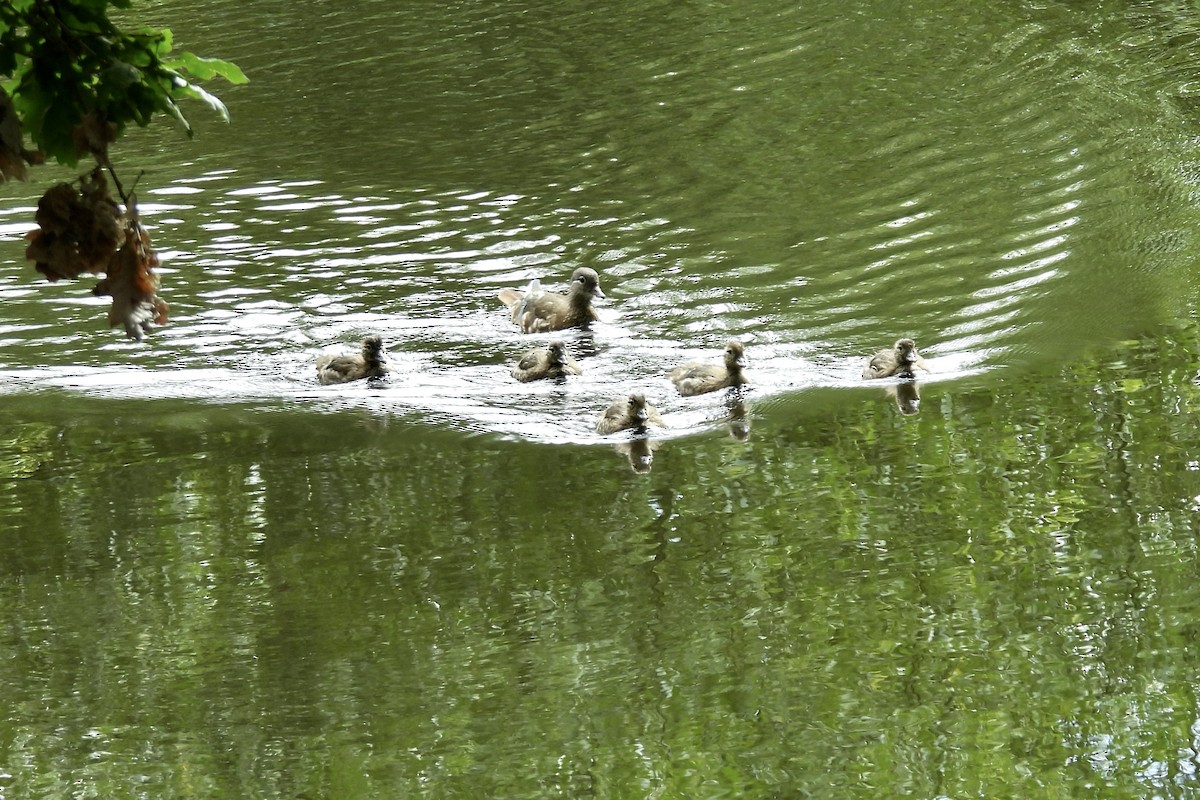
x=186, y=89
x=204, y=69
x=173, y=109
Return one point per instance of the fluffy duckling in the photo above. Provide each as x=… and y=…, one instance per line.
x=629, y=413
x=343, y=369
x=698, y=378
x=898, y=362
x=551, y=361
x=538, y=311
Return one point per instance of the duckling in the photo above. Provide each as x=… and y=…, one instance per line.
x=629, y=413
x=898, y=362
x=344, y=369
x=551, y=361
x=538, y=311
x=698, y=378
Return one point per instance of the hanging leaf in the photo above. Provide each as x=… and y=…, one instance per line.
x=204, y=69
x=186, y=89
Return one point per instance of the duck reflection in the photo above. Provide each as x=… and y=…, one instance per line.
x=640, y=452
x=738, y=417
x=907, y=396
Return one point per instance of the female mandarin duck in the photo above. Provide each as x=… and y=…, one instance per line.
x=698, y=378
x=898, y=362
x=343, y=369
x=551, y=361
x=538, y=311
x=629, y=413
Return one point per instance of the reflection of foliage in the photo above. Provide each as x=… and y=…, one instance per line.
x=23, y=449
x=73, y=81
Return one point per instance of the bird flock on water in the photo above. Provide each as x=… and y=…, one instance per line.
x=536, y=310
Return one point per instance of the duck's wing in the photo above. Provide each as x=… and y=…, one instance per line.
x=510, y=297
x=518, y=299
x=610, y=420
x=546, y=312
x=339, y=369
x=530, y=360
x=696, y=370
x=532, y=292
x=881, y=365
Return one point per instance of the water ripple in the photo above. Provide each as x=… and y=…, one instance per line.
x=817, y=187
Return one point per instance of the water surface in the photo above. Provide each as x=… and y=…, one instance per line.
x=224, y=579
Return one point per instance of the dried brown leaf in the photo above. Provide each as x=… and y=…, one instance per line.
x=133, y=285
x=12, y=151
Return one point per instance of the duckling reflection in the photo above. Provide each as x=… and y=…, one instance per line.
x=739, y=419
x=640, y=452
x=907, y=396
x=899, y=362
x=343, y=369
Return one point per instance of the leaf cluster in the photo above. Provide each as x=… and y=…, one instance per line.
x=76, y=80
x=85, y=231
x=73, y=81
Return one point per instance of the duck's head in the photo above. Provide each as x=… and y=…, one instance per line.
x=558, y=352
x=906, y=351
x=735, y=355
x=585, y=281
x=372, y=346
x=637, y=407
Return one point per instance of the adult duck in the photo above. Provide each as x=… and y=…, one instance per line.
x=535, y=310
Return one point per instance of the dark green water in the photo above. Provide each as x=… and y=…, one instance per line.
x=222, y=580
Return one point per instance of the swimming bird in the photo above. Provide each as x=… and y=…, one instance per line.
x=537, y=311
x=550, y=361
x=698, y=378
x=898, y=362
x=343, y=369
x=629, y=413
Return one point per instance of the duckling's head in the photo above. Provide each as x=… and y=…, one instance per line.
x=637, y=407
x=735, y=355
x=906, y=351
x=585, y=281
x=558, y=352
x=372, y=347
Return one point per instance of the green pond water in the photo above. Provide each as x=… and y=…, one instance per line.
x=220, y=579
